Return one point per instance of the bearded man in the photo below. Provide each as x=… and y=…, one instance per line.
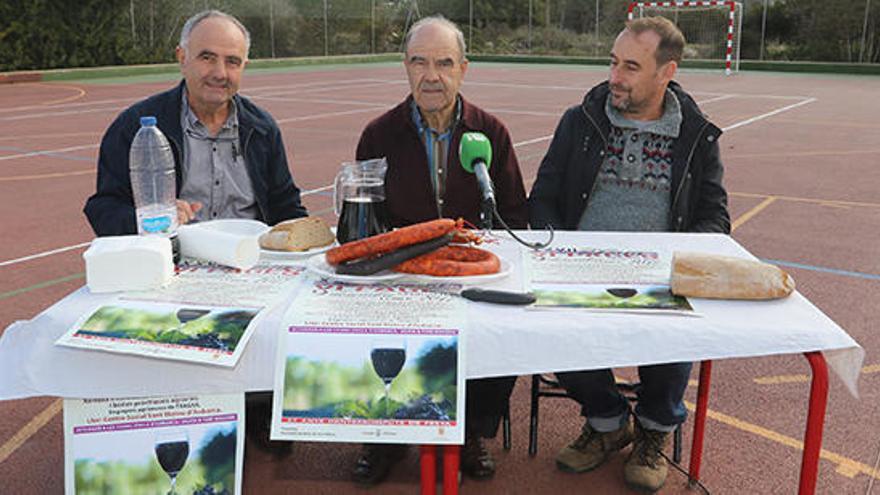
x=636, y=155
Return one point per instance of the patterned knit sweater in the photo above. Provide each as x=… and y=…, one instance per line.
x=632, y=190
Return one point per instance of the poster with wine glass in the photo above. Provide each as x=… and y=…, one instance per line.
x=185, y=332
x=206, y=315
x=182, y=445
x=603, y=279
x=371, y=363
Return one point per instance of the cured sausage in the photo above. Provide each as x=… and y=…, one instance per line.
x=452, y=261
x=369, y=266
x=390, y=241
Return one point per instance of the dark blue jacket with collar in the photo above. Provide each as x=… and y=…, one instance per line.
x=567, y=174
x=111, y=209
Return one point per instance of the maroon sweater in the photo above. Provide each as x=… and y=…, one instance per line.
x=408, y=189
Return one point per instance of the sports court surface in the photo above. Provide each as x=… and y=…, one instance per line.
x=801, y=168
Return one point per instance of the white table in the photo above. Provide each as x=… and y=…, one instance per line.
x=501, y=341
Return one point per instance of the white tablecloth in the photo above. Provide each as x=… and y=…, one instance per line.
x=502, y=340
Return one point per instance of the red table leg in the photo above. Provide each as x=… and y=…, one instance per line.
x=429, y=469
x=700, y=421
x=451, y=454
x=815, y=423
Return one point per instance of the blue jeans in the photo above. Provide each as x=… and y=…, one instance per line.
x=659, y=407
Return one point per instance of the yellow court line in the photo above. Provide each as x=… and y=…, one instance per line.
x=28, y=430
x=749, y=214
x=801, y=153
x=778, y=379
x=80, y=93
x=45, y=176
x=845, y=466
x=826, y=202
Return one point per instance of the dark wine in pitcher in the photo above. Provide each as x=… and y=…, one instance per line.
x=362, y=216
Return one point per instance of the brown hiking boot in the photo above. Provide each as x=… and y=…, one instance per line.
x=646, y=468
x=476, y=461
x=592, y=448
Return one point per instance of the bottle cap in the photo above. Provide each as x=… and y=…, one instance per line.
x=148, y=120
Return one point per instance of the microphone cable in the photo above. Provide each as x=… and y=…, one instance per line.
x=531, y=245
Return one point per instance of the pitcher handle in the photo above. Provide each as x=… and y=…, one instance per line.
x=337, y=197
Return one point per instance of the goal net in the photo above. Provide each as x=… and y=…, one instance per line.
x=712, y=28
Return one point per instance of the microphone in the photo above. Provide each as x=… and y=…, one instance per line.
x=475, y=153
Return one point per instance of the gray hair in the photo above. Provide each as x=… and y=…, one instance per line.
x=436, y=19
x=195, y=20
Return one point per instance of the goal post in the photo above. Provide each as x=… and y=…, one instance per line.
x=712, y=28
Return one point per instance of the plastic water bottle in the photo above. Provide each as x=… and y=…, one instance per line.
x=151, y=167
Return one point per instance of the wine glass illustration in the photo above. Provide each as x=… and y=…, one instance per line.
x=185, y=315
x=388, y=356
x=172, y=449
x=622, y=292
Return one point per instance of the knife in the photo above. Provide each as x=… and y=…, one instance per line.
x=498, y=296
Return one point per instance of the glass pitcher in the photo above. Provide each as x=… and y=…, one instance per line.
x=359, y=200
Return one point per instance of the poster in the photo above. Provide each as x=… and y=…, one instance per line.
x=183, y=445
x=206, y=315
x=631, y=298
x=603, y=279
x=371, y=363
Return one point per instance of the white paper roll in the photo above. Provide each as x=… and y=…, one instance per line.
x=232, y=242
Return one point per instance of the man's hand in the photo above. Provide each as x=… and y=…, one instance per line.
x=186, y=211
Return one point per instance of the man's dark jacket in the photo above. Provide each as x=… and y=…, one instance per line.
x=568, y=172
x=111, y=209
x=408, y=188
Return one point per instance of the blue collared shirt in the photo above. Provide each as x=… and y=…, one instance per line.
x=437, y=150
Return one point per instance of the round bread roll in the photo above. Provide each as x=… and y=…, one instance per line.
x=298, y=234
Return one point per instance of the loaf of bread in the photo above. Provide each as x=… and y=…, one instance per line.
x=298, y=234
x=724, y=277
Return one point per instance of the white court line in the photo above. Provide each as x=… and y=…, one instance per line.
x=281, y=97
x=322, y=100
x=58, y=114
x=280, y=121
x=516, y=145
x=322, y=86
x=532, y=141
x=331, y=114
x=725, y=129
x=134, y=99
x=717, y=98
x=327, y=87
x=311, y=84
x=43, y=254
x=315, y=191
x=585, y=89
x=65, y=105
x=49, y=152
x=84, y=244
x=768, y=114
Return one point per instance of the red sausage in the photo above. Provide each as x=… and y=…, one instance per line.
x=452, y=261
x=390, y=241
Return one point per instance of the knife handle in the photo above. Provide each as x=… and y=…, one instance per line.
x=498, y=296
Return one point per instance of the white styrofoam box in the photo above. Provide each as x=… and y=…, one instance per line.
x=127, y=263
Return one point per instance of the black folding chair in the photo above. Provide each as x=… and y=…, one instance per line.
x=544, y=386
x=505, y=425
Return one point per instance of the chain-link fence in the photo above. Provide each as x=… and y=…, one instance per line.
x=56, y=33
